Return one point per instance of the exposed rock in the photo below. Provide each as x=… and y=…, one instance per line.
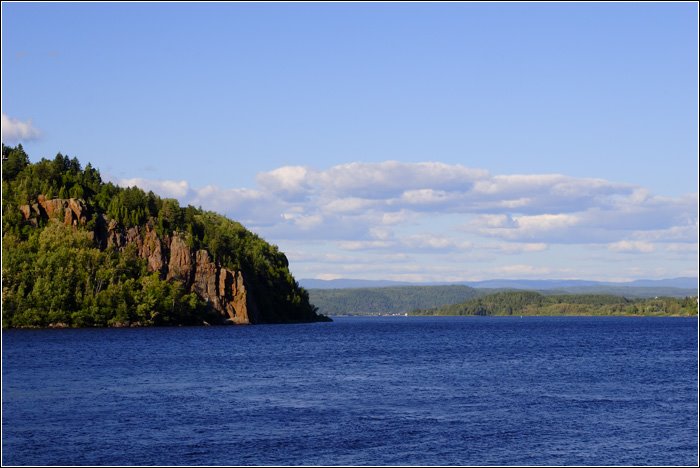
x=26, y=212
x=180, y=264
x=120, y=324
x=78, y=210
x=58, y=325
x=114, y=237
x=68, y=217
x=72, y=211
x=205, y=273
x=133, y=236
x=152, y=250
x=54, y=207
x=224, y=290
x=238, y=306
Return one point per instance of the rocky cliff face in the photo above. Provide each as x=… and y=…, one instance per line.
x=224, y=290
x=71, y=210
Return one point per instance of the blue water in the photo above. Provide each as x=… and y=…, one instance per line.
x=358, y=391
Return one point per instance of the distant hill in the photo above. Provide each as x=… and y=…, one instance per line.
x=387, y=300
x=540, y=285
x=683, y=282
x=351, y=283
x=533, y=303
x=355, y=297
x=626, y=291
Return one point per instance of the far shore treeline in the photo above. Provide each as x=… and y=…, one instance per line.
x=534, y=303
x=466, y=300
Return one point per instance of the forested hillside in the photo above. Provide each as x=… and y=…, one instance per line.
x=387, y=300
x=533, y=303
x=81, y=252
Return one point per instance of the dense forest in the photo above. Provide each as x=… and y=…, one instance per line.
x=54, y=273
x=534, y=303
x=387, y=300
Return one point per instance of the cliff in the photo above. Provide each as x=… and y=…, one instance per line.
x=101, y=255
x=224, y=290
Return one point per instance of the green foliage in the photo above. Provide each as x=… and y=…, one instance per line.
x=533, y=303
x=56, y=274
x=387, y=300
x=14, y=160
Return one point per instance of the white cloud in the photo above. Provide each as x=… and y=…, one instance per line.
x=363, y=245
x=251, y=207
x=392, y=178
x=425, y=197
x=433, y=210
x=348, y=205
x=435, y=242
x=526, y=228
x=14, y=130
x=164, y=188
x=515, y=248
x=288, y=181
x=685, y=248
x=520, y=271
x=631, y=246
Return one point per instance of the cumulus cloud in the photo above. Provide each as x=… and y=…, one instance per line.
x=165, y=188
x=359, y=197
x=250, y=206
x=522, y=247
x=390, y=179
x=521, y=270
x=14, y=130
x=383, y=180
x=631, y=246
x=434, y=208
x=287, y=181
x=435, y=242
x=364, y=245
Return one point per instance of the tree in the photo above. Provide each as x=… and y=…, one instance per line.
x=14, y=160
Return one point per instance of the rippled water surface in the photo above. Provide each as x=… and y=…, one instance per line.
x=358, y=391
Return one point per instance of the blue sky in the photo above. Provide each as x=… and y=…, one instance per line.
x=426, y=142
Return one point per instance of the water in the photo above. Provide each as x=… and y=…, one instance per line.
x=358, y=391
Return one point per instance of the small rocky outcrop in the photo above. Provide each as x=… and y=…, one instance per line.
x=223, y=289
x=72, y=211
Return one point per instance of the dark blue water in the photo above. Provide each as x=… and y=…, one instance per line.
x=358, y=391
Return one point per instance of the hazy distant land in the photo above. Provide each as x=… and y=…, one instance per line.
x=545, y=297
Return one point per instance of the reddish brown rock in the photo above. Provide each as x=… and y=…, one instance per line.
x=114, y=236
x=180, y=264
x=68, y=217
x=26, y=212
x=205, y=274
x=79, y=211
x=54, y=207
x=224, y=290
x=72, y=210
x=237, y=305
x=152, y=250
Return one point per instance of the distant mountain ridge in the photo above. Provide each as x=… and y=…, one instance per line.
x=680, y=282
